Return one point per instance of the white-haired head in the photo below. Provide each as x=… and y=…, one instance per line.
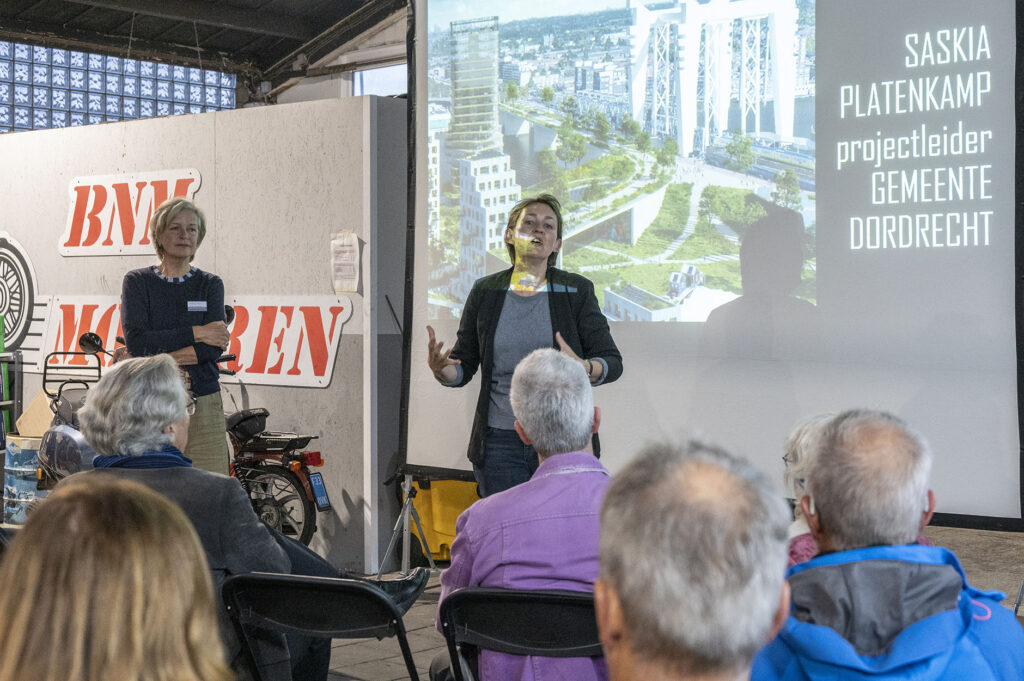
x=126, y=412
x=553, y=401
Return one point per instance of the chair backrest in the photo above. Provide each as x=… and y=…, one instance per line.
x=520, y=622
x=315, y=606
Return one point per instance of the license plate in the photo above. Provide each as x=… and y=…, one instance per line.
x=323, y=502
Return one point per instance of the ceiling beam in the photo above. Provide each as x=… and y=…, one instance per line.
x=73, y=39
x=361, y=19
x=211, y=14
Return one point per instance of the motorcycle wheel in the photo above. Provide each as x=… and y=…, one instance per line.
x=16, y=294
x=280, y=501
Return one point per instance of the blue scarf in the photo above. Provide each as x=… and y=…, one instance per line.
x=167, y=456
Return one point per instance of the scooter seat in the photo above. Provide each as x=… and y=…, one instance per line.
x=246, y=423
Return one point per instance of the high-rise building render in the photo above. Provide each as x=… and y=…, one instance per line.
x=481, y=169
x=475, y=85
x=487, y=191
x=438, y=119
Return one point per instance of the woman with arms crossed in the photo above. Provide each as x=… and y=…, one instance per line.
x=508, y=315
x=176, y=308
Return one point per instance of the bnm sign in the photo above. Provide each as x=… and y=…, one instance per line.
x=109, y=214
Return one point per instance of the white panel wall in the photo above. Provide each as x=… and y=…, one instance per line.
x=277, y=182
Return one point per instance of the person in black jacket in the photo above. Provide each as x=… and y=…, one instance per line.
x=508, y=315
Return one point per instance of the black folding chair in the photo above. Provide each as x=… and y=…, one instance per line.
x=519, y=622
x=315, y=606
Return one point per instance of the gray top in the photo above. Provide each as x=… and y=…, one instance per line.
x=524, y=326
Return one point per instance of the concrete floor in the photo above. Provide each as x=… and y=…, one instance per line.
x=992, y=560
x=371, y=660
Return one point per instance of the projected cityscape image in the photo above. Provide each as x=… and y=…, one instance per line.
x=666, y=130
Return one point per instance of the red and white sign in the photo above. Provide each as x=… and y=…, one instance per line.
x=286, y=340
x=279, y=340
x=109, y=214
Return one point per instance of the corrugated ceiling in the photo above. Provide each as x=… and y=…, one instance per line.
x=256, y=39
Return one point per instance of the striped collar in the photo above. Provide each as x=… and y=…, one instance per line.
x=174, y=280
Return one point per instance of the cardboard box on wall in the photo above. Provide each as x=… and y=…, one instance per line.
x=36, y=418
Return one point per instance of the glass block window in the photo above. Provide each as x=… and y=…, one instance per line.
x=42, y=87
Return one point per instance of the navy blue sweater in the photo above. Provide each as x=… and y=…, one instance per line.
x=157, y=315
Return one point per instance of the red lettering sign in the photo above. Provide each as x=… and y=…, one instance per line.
x=283, y=340
x=102, y=317
x=109, y=215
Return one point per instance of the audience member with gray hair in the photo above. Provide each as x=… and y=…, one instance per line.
x=873, y=604
x=137, y=419
x=693, y=553
x=801, y=448
x=543, y=533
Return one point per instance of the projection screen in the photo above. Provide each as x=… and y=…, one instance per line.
x=882, y=133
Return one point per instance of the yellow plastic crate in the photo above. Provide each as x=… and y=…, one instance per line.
x=439, y=504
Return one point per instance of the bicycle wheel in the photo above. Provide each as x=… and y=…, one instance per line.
x=280, y=501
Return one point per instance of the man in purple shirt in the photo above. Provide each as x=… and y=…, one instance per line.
x=542, y=534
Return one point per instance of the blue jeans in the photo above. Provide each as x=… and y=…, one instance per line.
x=507, y=462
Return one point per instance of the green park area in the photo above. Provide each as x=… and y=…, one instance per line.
x=590, y=257
x=715, y=254
x=659, y=251
x=651, y=277
x=666, y=227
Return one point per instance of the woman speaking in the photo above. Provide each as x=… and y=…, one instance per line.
x=508, y=315
x=176, y=308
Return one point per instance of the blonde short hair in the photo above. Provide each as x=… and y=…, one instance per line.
x=108, y=580
x=167, y=211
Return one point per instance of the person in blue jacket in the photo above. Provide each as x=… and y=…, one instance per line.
x=176, y=308
x=508, y=315
x=872, y=604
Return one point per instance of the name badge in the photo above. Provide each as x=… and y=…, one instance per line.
x=197, y=306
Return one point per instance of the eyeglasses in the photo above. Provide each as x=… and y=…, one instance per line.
x=190, y=406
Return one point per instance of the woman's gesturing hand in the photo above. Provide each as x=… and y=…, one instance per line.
x=438, y=360
x=593, y=369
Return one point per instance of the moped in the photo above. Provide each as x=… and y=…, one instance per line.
x=273, y=467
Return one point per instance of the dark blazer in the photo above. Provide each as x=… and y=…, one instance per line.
x=234, y=538
x=574, y=313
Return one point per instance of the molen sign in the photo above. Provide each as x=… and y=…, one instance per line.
x=279, y=340
x=109, y=214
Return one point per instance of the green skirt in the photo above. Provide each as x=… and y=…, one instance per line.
x=207, y=438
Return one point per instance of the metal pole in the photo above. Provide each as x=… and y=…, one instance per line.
x=406, y=488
